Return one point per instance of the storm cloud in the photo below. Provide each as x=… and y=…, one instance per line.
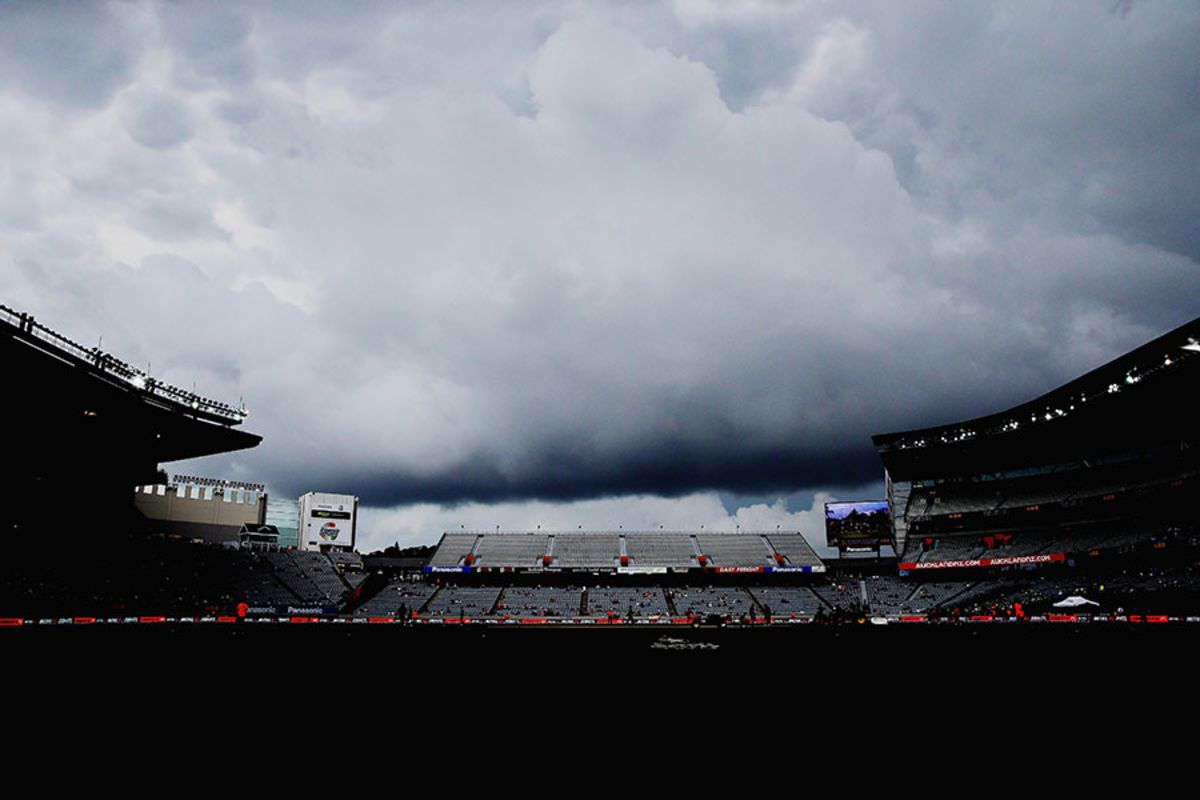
x=489, y=254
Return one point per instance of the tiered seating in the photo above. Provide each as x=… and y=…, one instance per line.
x=346, y=561
x=295, y=578
x=887, y=595
x=701, y=602
x=251, y=582
x=992, y=596
x=646, y=601
x=582, y=550
x=964, y=499
x=1024, y=545
x=951, y=549
x=660, y=549
x=453, y=548
x=918, y=505
x=913, y=550
x=462, y=601
x=787, y=601
x=398, y=594
x=845, y=595
x=1102, y=540
x=1021, y=497
x=735, y=550
x=511, y=550
x=929, y=596
x=319, y=570
x=540, y=601
x=795, y=548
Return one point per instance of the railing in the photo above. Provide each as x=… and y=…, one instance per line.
x=106, y=362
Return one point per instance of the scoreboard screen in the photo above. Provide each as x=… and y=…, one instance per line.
x=860, y=525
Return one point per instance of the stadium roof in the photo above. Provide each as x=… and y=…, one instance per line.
x=84, y=411
x=1143, y=399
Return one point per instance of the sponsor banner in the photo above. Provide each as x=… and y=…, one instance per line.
x=310, y=611
x=428, y=569
x=11, y=622
x=742, y=569
x=787, y=568
x=263, y=610
x=641, y=570
x=1040, y=558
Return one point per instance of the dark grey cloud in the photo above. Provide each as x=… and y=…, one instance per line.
x=158, y=122
x=491, y=254
x=68, y=53
x=214, y=45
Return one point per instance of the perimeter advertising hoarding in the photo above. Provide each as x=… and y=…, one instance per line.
x=1002, y=561
x=859, y=525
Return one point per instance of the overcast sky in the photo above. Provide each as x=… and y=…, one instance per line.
x=599, y=264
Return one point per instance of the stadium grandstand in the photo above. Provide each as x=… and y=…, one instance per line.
x=1103, y=467
x=625, y=552
x=94, y=423
x=95, y=428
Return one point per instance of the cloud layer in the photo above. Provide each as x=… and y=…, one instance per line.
x=564, y=251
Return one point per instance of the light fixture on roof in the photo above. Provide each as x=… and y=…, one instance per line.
x=139, y=381
x=1192, y=345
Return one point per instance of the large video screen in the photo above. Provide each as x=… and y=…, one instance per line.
x=861, y=525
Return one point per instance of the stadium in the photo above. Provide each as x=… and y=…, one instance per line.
x=1075, y=507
